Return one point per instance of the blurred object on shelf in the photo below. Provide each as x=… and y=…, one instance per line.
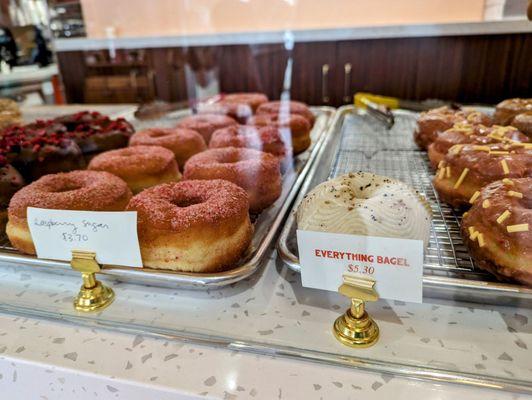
x=361, y=100
x=9, y=113
x=529, y=10
x=24, y=80
x=66, y=19
x=123, y=76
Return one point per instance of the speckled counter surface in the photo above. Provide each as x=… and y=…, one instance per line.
x=52, y=360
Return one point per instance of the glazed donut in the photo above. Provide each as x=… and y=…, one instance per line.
x=94, y=132
x=297, y=126
x=195, y=226
x=258, y=173
x=139, y=166
x=283, y=108
x=206, y=124
x=508, y=109
x=523, y=122
x=10, y=182
x=467, y=168
x=238, y=111
x=498, y=229
x=473, y=134
x=184, y=143
x=254, y=100
x=366, y=204
x=266, y=139
x=76, y=190
x=431, y=123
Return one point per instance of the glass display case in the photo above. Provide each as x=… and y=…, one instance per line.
x=276, y=99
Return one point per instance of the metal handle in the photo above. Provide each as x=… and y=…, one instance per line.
x=347, y=83
x=325, y=83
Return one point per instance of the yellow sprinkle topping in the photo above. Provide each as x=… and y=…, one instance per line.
x=474, y=197
x=511, y=193
x=499, y=152
x=465, y=214
x=481, y=148
x=448, y=172
x=503, y=217
x=474, y=235
x=456, y=148
x=481, y=242
x=441, y=163
x=517, y=228
x=485, y=203
x=471, y=230
x=461, y=178
x=505, y=167
x=441, y=173
x=507, y=181
x=472, y=116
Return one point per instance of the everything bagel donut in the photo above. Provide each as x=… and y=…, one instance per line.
x=257, y=172
x=196, y=226
x=76, y=190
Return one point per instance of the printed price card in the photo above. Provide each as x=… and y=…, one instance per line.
x=395, y=264
x=111, y=235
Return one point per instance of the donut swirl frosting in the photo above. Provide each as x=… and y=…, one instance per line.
x=366, y=204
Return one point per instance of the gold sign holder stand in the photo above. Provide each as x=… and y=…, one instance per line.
x=93, y=295
x=356, y=328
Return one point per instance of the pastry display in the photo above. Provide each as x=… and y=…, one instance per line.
x=257, y=172
x=507, y=110
x=498, y=229
x=462, y=133
x=196, y=225
x=435, y=121
x=140, y=167
x=283, y=108
x=9, y=113
x=366, y=204
x=76, y=190
x=523, y=122
x=206, y=124
x=184, y=143
x=297, y=127
x=95, y=133
x=266, y=139
x=465, y=170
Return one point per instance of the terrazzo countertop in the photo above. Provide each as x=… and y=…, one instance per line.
x=197, y=335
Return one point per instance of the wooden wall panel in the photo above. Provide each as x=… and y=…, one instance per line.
x=476, y=69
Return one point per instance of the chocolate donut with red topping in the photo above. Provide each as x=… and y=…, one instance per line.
x=497, y=229
x=10, y=182
x=257, y=172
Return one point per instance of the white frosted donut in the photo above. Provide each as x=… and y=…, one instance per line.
x=366, y=204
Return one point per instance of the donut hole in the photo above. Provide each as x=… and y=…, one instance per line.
x=157, y=133
x=186, y=202
x=67, y=187
x=230, y=160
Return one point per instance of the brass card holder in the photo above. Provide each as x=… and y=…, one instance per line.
x=356, y=328
x=93, y=295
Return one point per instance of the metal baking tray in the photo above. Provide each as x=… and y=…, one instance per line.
x=266, y=225
x=358, y=141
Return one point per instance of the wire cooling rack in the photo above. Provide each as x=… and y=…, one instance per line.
x=367, y=145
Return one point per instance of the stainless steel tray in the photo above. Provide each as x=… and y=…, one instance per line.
x=359, y=142
x=266, y=225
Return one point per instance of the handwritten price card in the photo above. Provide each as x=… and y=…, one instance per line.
x=112, y=235
x=395, y=264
